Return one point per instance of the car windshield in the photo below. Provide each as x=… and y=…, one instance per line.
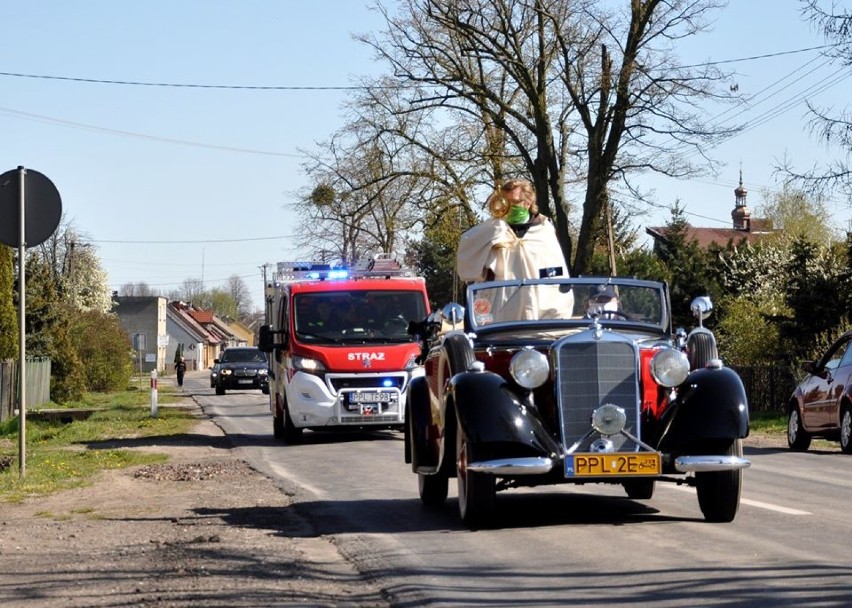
x=243, y=356
x=357, y=316
x=567, y=302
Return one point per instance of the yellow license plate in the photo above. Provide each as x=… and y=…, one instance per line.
x=612, y=465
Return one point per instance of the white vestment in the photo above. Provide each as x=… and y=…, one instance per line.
x=494, y=245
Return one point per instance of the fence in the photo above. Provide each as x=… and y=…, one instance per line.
x=767, y=388
x=38, y=384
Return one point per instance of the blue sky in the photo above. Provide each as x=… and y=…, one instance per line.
x=176, y=182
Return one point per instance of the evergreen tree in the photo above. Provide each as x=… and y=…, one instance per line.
x=48, y=332
x=8, y=312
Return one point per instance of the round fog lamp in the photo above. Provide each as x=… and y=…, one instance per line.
x=609, y=419
x=529, y=368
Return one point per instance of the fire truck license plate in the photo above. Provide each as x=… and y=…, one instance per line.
x=615, y=465
x=371, y=397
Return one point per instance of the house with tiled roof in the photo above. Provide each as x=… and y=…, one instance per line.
x=744, y=228
x=199, y=347
x=244, y=335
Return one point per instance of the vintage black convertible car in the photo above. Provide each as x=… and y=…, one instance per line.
x=575, y=381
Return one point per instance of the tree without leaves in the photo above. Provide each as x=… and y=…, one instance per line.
x=378, y=178
x=571, y=109
x=140, y=289
x=832, y=127
x=241, y=296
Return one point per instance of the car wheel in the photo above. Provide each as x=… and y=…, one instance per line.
x=846, y=428
x=701, y=346
x=719, y=491
x=798, y=438
x=477, y=491
x=265, y=390
x=278, y=426
x=292, y=434
x=433, y=488
x=220, y=390
x=640, y=489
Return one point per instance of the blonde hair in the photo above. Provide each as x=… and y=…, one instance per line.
x=499, y=206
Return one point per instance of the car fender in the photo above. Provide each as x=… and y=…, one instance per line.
x=492, y=410
x=711, y=404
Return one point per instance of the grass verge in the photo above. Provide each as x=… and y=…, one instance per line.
x=66, y=455
x=768, y=422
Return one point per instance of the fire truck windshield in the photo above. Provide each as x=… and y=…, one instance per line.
x=357, y=316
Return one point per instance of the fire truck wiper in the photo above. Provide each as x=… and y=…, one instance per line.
x=379, y=340
x=325, y=337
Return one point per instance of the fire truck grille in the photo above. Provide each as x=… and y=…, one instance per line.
x=376, y=381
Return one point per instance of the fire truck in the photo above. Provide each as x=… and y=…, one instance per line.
x=339, y=350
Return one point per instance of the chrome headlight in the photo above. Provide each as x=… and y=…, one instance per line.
x=262, y=372
x=669, y=367
x=226, y=372
x=529, y=368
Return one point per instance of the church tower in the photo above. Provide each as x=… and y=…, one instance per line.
x=741, y=213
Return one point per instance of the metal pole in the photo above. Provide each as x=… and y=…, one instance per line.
x=154, y=404
x=22, y=332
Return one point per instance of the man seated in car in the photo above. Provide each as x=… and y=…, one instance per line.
x=604, y=302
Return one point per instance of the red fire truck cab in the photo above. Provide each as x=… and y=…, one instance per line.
x=338, y=343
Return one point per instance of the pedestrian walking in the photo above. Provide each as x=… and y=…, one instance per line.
x=180, y=370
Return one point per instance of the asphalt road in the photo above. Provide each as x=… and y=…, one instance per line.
x=563, y=545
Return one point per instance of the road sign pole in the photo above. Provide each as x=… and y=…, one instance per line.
x=22, y=328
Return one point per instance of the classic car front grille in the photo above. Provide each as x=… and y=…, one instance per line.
x=589, y=374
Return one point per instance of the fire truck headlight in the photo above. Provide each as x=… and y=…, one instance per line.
x=669, y=367
x=307, y=365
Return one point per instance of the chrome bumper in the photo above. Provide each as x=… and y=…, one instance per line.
x=700, y=464
x=513, y=466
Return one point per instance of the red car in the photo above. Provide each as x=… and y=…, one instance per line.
x=821, y=405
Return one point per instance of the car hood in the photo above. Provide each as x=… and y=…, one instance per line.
x=242, y=365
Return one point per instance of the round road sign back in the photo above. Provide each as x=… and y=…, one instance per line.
x=42, y=208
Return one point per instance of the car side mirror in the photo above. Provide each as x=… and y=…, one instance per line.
x=215, y=361
x=453, y=313
x=809, y=367
x=265, y=339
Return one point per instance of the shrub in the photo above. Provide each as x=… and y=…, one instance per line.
x=104, y=347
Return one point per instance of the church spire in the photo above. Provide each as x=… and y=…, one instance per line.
x=741, y=213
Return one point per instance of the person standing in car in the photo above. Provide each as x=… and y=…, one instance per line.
x=517, y=242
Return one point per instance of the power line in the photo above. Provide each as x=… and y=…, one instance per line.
x=87, y=127
x=138, y=83
x=234, y=87
x=753, y=57
x=213, y=241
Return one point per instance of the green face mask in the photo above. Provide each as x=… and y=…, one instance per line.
x=518, y=215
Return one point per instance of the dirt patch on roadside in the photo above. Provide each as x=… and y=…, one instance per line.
x=203, y=529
